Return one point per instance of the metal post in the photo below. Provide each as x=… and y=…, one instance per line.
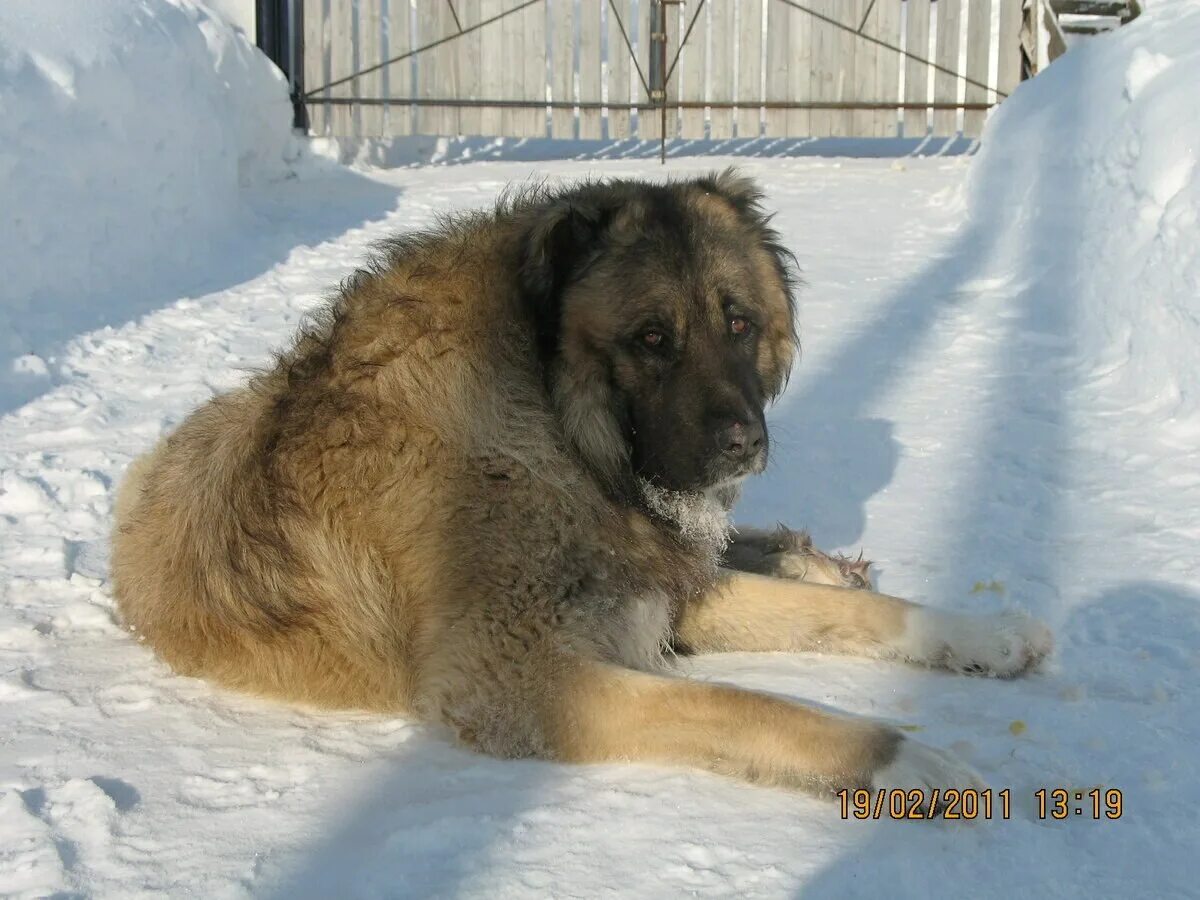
x=279, y=33
x=662, y=68
x=657, y=74
x=669, y=69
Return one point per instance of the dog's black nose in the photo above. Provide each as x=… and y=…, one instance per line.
x=740, y=441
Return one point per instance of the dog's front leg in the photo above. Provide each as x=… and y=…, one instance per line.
x=604, y=713
x=759, y=613
x=784, y=553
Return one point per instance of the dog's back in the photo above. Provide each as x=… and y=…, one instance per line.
x=330, y=533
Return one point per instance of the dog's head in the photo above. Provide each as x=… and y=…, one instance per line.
x=664, y=320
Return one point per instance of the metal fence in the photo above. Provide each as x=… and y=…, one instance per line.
x=656, y=69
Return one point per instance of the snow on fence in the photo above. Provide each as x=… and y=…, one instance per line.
x=612, y=68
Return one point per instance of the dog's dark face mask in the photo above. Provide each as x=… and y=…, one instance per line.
x=664, y=318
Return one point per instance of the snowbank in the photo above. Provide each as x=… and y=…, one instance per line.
x=1094, y=168
x=128, y=129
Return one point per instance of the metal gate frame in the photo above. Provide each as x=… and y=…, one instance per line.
x=280, y=34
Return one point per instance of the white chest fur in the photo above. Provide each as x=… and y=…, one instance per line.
x=640, y=632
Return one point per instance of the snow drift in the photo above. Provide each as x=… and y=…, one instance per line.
x=129, y=128
x=1093, y=169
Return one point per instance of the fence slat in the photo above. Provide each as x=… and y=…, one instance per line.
x=316, y=62
x=749, y=89
x=451, y=83
x=720, y=78
x=866, y=67
x=1008, y=72
x=562, y=66
x=673, y=37
x=945, y=87
x=689, y=74
x=979, y=45
x=467, y=52
x=887, y=67
x=341, y=64
x=777, y=63
x=397, y=78
x=532, y=23
x=916, y=74
x=370, y=53
x=845, y=61
x=428, y=119
x=800, y=34
x=492, y=67
x=620, y=69
x=512, y=69
x=589, y=69
x=824, y=51
x=648, y=119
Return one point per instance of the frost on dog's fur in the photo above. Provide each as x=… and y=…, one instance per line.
x=702, y=519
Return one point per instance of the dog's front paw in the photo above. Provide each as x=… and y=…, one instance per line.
x=1002, y=646
x=925, y=773
x=784, y=553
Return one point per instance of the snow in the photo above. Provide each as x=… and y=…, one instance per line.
x=1106, y=146
x=129, y=129
x=996, y=400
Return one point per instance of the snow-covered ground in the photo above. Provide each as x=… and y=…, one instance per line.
x=999, y=399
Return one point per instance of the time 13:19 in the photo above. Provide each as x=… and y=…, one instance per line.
x=1060, y=803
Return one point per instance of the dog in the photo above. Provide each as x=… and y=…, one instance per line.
x=489, y=487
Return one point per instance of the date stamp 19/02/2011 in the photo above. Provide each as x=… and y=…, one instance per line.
x=1052, y=803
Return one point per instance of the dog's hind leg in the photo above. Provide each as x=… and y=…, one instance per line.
x=603, y=713
x=759, y=613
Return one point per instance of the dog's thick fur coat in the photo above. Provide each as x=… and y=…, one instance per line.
x=437, y=504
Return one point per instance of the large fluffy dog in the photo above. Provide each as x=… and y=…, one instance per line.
x=488, y=487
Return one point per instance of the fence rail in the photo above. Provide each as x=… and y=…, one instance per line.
x=718, y=69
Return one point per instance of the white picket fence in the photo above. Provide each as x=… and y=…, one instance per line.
x=562, y=69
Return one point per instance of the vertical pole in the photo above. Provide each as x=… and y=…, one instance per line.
x=657, y=61
x=279, y=33
x=653, y=60
x=265, y=25
x=295, y=9
x=662, y=70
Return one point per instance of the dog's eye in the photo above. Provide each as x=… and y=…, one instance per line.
x=653, y=339
x=739, y=326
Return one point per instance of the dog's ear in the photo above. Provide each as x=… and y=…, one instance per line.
x=557, y=246
x=745, y=197
x=740, y=191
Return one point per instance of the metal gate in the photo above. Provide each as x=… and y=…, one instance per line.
x=658, y=69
